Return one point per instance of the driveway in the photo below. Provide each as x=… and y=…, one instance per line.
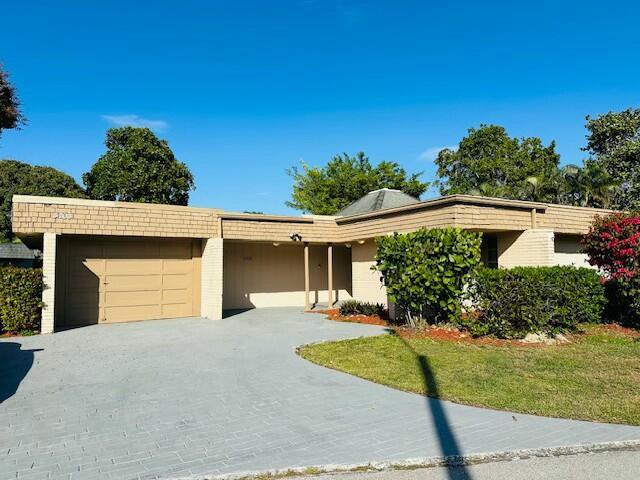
x=193, y=396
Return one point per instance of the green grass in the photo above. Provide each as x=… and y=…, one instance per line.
x=597, y=377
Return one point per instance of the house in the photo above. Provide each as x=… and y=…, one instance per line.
x=18, y=255
x=109, y=261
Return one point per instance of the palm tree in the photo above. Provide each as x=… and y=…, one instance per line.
x=588, y=186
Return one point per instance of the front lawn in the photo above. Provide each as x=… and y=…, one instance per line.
x=595, y=377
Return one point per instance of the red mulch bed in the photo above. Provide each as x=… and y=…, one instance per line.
x=627, y=332
x=334, y=314
x=453, y=335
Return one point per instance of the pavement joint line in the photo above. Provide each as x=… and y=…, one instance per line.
x=424, y=462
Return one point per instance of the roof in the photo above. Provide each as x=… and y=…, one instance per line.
x=16, y=251
x=378, y=200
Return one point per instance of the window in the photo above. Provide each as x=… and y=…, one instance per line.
x=489, y=250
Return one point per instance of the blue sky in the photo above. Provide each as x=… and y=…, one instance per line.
x=244, y=89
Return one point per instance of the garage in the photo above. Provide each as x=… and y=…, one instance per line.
x=123, y=279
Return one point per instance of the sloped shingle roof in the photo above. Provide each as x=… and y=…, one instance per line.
x=378, y=200
x=16, y=251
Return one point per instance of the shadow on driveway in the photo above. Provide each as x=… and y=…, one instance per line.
x=15, y=363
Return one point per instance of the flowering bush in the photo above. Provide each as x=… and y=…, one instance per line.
x=612, y=245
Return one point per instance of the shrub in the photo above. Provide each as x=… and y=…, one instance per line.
x=521, y=300
x=355, y=307
x=623, y=302
x=613, y=245
x=425, y=272
x=20, y=299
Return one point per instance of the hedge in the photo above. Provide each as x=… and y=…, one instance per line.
x=20, y=299
x=425, y=272
x=511, y=303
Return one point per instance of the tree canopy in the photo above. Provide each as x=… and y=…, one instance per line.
x=10, y=115
x=614, y=141
x=138, y=167
x=326, y=190
x=24, y=179
x=490, y=162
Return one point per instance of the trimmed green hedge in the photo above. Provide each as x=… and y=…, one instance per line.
x=511, y=303
x=20, y=299
x=426, y=271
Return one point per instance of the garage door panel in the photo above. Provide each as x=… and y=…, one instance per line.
x=175, y=310
x=171, y=282
x=117, y=283
x=132, y=313
x=128, y=298
x=175, y=251
x=82, y=265
x=176, y=266
x=82, y=316
x=133, y=267
x=132, y=249
x=181, y=295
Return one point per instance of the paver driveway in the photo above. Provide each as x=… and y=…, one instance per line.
x=193, y=396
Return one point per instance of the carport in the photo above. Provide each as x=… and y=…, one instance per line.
x=275, y=274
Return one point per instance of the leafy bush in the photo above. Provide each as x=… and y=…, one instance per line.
x=623, y=302
x=425, y=272
x=20, y=299
x=613, y=245
x=355, y=307
x=521, y=300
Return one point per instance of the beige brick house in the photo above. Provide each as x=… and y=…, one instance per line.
x=109, y=261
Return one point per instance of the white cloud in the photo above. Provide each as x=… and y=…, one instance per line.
x=431, y=154
x=135, y=121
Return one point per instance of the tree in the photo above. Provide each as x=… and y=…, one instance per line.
x=588, y=186
x=18, y=178
x=138, y=167
x=614, y=140
x=490, y=162
x=327, y=190
x=10, y=115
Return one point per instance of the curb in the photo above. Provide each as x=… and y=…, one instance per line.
x=426, y=462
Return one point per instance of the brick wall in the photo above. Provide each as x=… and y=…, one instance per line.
x=49, y=245
x=366, y=285
x=211, y=278
x=529, y=248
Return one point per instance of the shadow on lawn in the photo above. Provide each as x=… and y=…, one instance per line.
x=456, y=470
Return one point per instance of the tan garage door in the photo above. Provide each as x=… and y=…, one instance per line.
x=128, y=279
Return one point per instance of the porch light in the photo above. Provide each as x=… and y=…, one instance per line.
x=276, y=244
x=348, y=245
x=360, y=242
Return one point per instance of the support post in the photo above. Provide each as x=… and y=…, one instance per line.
x=306, y=276
x=330, y=275
x=534, y=219
x=49, y=279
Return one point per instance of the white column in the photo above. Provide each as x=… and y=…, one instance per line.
x=330, y=275
x=211, y=278
x=49, y=279
x=306, y=276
